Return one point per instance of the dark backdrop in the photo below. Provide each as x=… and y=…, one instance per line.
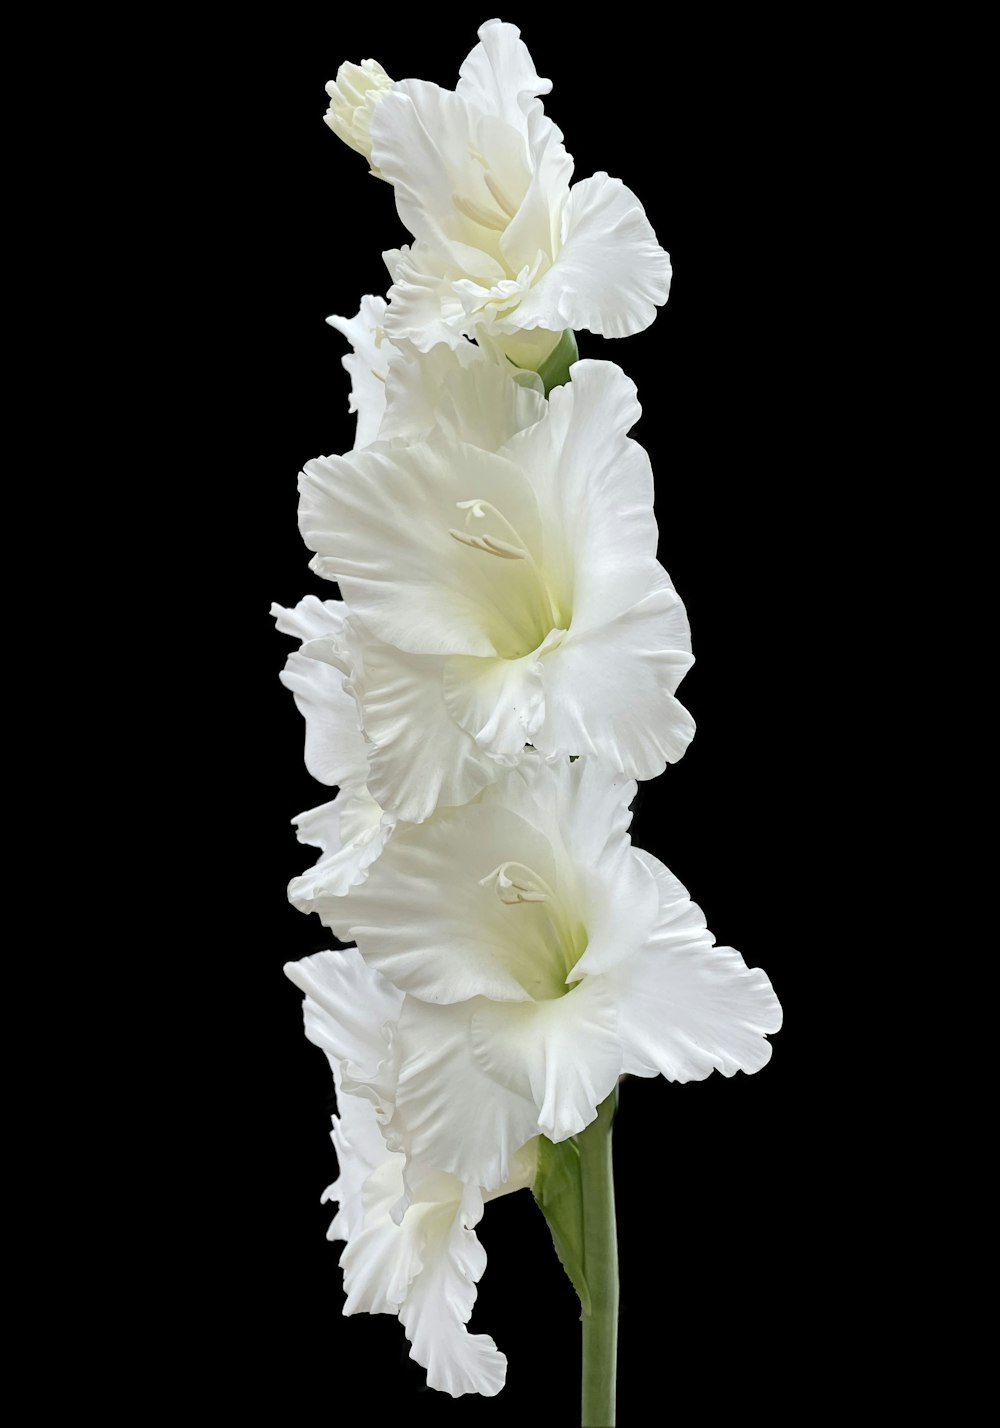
x=724, y=1187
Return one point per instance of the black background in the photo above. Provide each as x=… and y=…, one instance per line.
x=726, y=1188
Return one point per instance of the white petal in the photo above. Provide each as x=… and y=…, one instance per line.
x=441, y=1300
x=686, y=1008
x=347, y=1005
x=367, y=365
x=610, y=275
x=382, y=1259
x=594, y=488
x=563, y=1054
x=466, y=395
x=352, y=830
x=448, y=162
x=609, y=692
x=310, y=619
x=424, y=308
x=419, y=757
x=499, y=74
x=335, y=751
x=500, y=702
x=379, y=521
x=360, y=1150
x=450, y=1115
x=537, y=226
x=428, y=922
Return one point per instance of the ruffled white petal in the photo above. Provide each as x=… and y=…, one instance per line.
x=685, y=1007
x=610, y=275
x=382, y=1259
x=500, y=702
x=347, y=1006
x=464, y=394
x=418, y=756
x=564, y=1055
x=499, y=77
x=335, y=750
x=310, y=619
x=441, y=1300
x=426, y=1270
x=360, y=1150
x=594, y=488
x=424, y=307
x=351, y=831
x=609, y=691
x=450, y=1114
x=367, y=364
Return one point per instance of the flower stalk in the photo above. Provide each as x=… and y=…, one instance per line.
x=600, y=1250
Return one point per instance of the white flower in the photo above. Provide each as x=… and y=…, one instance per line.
x=353, y=97
x=505, y=247
x=503, y=594
x=542, y=956
x=426, y=1267
x=352, y=830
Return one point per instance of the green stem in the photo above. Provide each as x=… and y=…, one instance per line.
x=600, y=1254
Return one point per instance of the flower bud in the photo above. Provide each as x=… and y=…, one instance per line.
x=353, y=96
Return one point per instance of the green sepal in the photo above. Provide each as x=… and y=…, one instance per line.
x=554, y=371
x=558, y=1192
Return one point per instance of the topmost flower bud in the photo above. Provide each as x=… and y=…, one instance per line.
x=353, y=97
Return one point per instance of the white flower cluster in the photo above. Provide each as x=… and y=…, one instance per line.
x=502, y=667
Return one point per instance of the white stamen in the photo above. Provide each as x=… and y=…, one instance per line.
x=490, y=544
x=483, y=216
x=504, y=202
x=514, y=883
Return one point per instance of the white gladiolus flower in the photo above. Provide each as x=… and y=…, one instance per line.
x=426, y=1267
x=505, y=247
x=541, y=957
x=503, y=587
x=352, y=830
x=353, y=97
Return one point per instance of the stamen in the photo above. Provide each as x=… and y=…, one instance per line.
x=514, y=883
x=482, y=216
x=490, y=544
x=509, y=208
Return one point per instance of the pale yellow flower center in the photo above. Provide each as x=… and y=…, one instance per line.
x=533, y=609
x=550, y=941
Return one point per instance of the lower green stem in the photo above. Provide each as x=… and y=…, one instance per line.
x=600, y=1253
